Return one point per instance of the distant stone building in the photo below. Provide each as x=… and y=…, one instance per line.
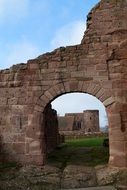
x=88, y=121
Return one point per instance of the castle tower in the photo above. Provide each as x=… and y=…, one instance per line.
x=91, y=121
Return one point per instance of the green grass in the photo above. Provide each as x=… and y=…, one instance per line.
x=87, y=152
x=85, y=142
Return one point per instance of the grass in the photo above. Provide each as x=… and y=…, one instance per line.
x=87, y=152
x=86, y=142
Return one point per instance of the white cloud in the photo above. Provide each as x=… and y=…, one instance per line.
x=70, y=34
x=13, y=9
x=18, y=53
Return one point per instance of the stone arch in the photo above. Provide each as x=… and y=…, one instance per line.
x=92, y=88
x=97, y=66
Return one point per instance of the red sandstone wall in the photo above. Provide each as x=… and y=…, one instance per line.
x=50, y=128
x=97, y=66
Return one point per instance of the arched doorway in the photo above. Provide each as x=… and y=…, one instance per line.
x=80, y=141
x=78, y=103
x=60, y=89
x=97, y=66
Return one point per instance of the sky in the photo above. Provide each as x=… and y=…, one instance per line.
x=77, y=103
x=29, y=28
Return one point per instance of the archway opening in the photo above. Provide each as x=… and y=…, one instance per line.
x=79, y=102
x=76, y=130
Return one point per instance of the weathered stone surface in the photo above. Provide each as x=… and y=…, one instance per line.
x=50, y=177
x=106, y=176
x=78, y=176
x=109, y=175
x=97, y=66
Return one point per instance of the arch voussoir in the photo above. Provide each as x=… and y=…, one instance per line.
x=109, y=101
x=45, y=100
x=52, y=92
x=80, y=86
x=66, y=86
x=96, y=89
x=85, y=86
x=59, y=88
x=100, y=93
x=73, y=86
x=90, y=88
x=48, y=95
x=39, y=108
x=107, y=94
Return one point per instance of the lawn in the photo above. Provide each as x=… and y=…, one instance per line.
x=86, y=152
x=85, y=142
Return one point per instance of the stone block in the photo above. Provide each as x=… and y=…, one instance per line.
x=77, y=74
x=35, y=146
x=73, y=86
x=52, y=92
x=3, y=101
x=49, y=95
x=80, y=86
x=117, y=148
x=120, y=161
x=38, y=160
x=106, y=95
x=31, y=131
x=115, y=134
x=19, y=148
x=13, y=101
x=39, y=108
x=85, y=86
x=109, y=101
x=67, y=86
x=45, y=100
x=115, y=120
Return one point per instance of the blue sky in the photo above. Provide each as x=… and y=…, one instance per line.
x=29, y=28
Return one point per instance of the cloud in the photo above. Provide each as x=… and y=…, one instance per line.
x=78, y=102
x=13, y=9
x=18, y=53
x=69, y=34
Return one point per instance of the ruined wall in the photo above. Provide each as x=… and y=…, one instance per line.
x=50, y=128
x=98, y=66
x=78, y=120
x=88, y=121
x=65, y=123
